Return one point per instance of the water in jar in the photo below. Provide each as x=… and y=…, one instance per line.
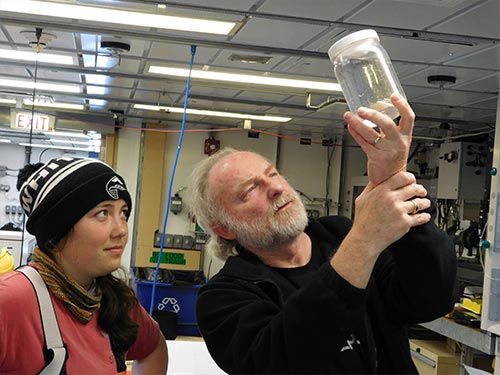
x=368, y=82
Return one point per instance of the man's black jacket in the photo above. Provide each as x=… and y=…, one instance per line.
x=254, y=322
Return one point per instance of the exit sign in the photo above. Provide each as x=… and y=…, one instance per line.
x=23, y=121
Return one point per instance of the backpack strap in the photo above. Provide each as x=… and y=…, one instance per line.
x=52, y=334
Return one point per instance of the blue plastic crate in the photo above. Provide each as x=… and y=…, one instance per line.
x=170, y=297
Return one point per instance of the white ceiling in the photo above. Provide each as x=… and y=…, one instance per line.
x=423, y=37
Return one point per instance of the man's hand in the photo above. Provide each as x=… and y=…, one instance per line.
x=386, y=212
x=388, y=150
x=383, y=214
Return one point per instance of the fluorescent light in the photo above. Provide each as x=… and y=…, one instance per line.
x=89, y=144
x=246, y=78
x=33, y=56
x=97, y=79
x=97, y=102
x=39, y=85
x=96, y=90
x=200, y=112
x=67, y=134
x=116, y=16
x=39, y=145
x=7, y=101
x=5, y=140
x=38, y=103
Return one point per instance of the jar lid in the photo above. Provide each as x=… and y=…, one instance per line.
x=341, y=44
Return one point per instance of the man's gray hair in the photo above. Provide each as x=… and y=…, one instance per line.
x=204, y=206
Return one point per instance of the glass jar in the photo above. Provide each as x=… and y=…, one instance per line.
x=365, y=72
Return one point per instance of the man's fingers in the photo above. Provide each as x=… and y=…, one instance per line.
x=407, y=114
x=384, y=122
x=362, y=134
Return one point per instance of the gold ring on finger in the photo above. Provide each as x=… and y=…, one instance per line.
x=415, y=207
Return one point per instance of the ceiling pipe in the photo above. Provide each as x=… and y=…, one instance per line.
x=324, y=104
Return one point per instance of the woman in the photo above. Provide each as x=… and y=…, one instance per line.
x=78, y=210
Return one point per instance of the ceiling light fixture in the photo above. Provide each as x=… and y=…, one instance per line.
x=39, y=85
x=246, y=78
x=39, y=145
x=32, y=56
x=89, y=144
x=7, y=101
x=117, y=16
x=201, y=112
x=91, y=135
x=48, y=104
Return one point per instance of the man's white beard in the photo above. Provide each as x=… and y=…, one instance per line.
x=274, y=229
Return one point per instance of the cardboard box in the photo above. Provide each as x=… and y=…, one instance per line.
x=432, y=357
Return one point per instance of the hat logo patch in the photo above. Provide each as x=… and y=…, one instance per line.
x=113, y=186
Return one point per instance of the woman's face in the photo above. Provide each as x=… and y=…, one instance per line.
x=95, y=245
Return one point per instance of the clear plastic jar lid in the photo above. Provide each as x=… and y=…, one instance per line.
x=341, y=44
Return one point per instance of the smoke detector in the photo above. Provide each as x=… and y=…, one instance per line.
x=441, y=80
x=31, y=36
x=115, y=46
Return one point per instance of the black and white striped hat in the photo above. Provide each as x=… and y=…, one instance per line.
x=63, y=190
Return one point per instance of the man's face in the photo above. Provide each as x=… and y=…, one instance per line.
x=260, y=209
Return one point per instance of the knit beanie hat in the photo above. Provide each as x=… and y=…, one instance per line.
x=62, y=191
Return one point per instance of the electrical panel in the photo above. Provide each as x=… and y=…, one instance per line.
x=462, y=171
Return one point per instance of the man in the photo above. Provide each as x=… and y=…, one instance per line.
x=328, y=295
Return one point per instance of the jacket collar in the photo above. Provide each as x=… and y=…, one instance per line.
x=247, y=266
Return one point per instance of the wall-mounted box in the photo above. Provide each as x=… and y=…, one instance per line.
x=463, y=168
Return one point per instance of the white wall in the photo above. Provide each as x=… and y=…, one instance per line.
x=127, y=165
x=306, y=168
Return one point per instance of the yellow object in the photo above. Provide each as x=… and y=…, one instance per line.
x=472, y=304
x=6, y=261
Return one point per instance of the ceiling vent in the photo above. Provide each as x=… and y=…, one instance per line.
x=441, y=80
x=114, y=46
x=250, y=59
